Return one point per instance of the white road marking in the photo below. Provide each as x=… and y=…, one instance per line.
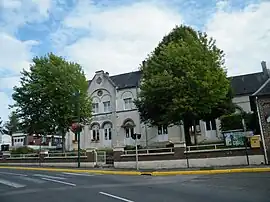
x=116, y=197
x=11, y=184
x=48, y=176
x=78, y=174
x=38, y=181
x=57, y=181
x=15, y=174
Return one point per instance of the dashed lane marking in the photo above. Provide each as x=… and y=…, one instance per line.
x=58, y=181
x=49, y=176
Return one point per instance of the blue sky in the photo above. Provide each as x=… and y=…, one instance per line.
x=116, y=35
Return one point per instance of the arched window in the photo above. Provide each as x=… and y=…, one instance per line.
x=129, y=126
x=95, y=132
x=107, y=131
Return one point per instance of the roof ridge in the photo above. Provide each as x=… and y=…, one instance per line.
x=262, y=87
x=125, y=73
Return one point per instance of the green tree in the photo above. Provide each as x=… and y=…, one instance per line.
x=1, y=126
x=184, y=78
x=46, y=99
x=13, y=124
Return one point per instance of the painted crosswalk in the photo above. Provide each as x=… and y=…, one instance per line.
x=19, y=180
x=11, y=184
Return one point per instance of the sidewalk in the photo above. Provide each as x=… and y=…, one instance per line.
x=163, y=172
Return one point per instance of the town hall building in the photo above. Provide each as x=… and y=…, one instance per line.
x=115, y=117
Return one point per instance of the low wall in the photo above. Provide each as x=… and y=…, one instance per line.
x=69, y=161
x=193, y=159
x=192, y=163
x=54, y=164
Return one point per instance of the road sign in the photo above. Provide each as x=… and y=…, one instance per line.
x=255, y=141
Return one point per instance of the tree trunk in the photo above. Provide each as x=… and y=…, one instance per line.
x=194, y=132
x=63, y=141
x=186, y=130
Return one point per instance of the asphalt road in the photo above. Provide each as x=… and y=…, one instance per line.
x=41, y=186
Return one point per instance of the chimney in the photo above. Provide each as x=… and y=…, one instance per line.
x=100, y=72
x=107, y=73
x=264, y=68
x=143, y=63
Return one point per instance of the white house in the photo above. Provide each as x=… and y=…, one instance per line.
x=115, y=116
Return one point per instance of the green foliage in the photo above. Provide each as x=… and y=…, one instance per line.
x=46, y=98
x=231, y=122
x=184, y=78
x=22, y=150
x=13, y=124
x=234, y=122
x=1, y=126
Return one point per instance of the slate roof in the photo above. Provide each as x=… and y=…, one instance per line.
x=127, y=80
x=265, y=89
x=248, y=84
x=242, y=85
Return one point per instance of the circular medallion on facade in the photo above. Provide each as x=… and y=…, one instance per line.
x=99, y=93
x=99, y=80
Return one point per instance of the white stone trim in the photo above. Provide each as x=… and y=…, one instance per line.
x=193, y=163
x=69, y=164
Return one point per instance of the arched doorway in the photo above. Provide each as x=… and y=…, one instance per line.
x=129, y=128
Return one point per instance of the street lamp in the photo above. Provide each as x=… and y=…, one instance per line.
x=76, y=127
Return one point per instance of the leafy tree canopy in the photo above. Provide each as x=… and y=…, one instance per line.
x=13, y=124
x=183, y=78
x=46, y=98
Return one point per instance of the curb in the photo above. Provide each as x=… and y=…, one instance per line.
x=108, y=172
x=155, y=173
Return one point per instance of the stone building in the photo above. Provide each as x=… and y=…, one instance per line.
x=115, y=116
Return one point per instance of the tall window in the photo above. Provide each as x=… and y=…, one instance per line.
x=128, y=103
x=107, y=133
x=129, y=132
x=107, y=106
x=95, y=107
x=211, y=125
x=95, y=133
x=162, y=130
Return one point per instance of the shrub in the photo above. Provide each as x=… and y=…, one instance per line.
x=22, y=150
x=234, y=122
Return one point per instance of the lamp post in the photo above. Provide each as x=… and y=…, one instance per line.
x=76, y=127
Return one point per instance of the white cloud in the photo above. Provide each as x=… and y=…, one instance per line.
x=9, y=82
x=5, y=101
x=117, y=38
x=17, y=13
x=10, y=4
x=14, y=54
x=244, y=35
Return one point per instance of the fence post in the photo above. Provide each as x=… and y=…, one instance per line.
x=245, y=142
